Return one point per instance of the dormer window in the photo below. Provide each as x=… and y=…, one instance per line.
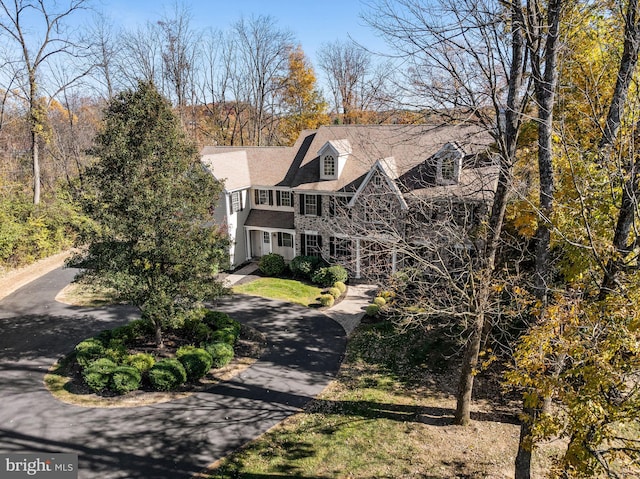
x=448, y=169
x=377, y=180
x=329, y=166
x=449, y=164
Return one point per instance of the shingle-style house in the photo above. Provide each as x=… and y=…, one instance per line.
x=340, y=190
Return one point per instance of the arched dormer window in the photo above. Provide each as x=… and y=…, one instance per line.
x=329, y=166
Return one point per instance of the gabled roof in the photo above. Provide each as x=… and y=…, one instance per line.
x=243, y=167
x=387, y=167
x=403, y=148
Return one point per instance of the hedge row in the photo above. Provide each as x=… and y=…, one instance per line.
x=107, y=366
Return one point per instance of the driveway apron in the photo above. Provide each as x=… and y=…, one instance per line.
x=170, y=440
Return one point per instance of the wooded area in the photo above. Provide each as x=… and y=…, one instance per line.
x=549, y=284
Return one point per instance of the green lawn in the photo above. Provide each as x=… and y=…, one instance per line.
x=288, y=290
x=386, y=416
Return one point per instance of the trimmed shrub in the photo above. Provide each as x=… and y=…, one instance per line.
x=219, y=320
x=326, y=300
x=125, y=379
x=335, y=292
x=88, y=351
x=330, y=275
x=196, y=361
x=227, y=335
x=141, y=361
x=167, y=375
x=380, y=301
x=341, y=286
x=372, y=310
x=272, y=264
x=98, y=374
x=116, y=350
x=304, y=266
x=221, y=353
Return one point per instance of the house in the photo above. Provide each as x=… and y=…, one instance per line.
x=347, y=192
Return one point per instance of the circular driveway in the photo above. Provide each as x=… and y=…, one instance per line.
x=170, y=440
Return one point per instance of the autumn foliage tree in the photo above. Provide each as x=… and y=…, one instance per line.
x=304, y=107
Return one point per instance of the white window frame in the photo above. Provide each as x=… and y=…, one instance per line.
x=266, y=237
x=329, y=166
x=377, y=180
x=312, y=249
x=285, y=195
x=263, y=200
x=311, y=204
x=236, y=201
x=287, y=240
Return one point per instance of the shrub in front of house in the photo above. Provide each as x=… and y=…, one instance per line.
x=326, y=300
x=272, y=264
x=304, y=266
x=88, y=351
x=196, y=361
x=335, y=292
x=380, y=301
x=125, y=379
x=341, y=286
x=98, y=374
x=221, y=353
x=219, y=320
x=225, y=335
x=372, y=310
x=141, y=361
x=329, y=275
x=167, y=375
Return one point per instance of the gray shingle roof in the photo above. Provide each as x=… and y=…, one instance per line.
x=405, y=147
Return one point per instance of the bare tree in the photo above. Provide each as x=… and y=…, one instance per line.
x=356, y=83
x=180, y=53
x=35, y=53
x=141, y=55
x=104, y=54
x=464, y=68
x=263, y=50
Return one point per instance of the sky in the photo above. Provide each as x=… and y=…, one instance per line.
x=313, y=22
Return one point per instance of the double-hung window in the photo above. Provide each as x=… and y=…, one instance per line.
x=284, y=198
x=311, y=205
x=236, y=201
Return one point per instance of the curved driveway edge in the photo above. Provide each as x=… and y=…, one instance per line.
x=170, y=440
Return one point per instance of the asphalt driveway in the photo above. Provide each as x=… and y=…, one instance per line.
x=170, y=440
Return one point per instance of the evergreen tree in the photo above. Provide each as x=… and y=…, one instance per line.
x=155, y=241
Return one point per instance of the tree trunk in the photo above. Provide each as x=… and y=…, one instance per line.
x=35, y=154
x=158, y=333
x=523, y=457
x=545, y=88
x=467, y=373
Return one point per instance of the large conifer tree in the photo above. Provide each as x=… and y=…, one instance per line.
x=156, y=243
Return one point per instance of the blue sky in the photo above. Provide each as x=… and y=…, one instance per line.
x=312, y=22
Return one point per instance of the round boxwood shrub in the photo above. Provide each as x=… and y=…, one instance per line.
x=304, y=266
x=125, y=379
x=221, y=353
x=329, y=275
x=141, y=361
x=98, y=374
x=341, y=286
x=88, y=351
x=272, y=264
x=327, y=300
x=227, y=335
x=167, y=375
x=196, y=361
x=372, y=310
x=218, y=320
x=380, y=301
x=335, y=292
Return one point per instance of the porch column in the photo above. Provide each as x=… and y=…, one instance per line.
x=249, y=253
